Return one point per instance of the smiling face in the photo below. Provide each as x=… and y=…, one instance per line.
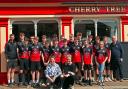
x=76, y=41
x=86, y=43
x=22, y=36
x=12, y=37
x=52, y=60
x=55, y=42
x=101, y=44
x=36, y=40
x=105, y=39
x=114, y=39
x=32, y=39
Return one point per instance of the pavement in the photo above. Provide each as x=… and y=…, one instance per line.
x=108, y=85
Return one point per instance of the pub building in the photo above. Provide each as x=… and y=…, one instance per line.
x=61, y=17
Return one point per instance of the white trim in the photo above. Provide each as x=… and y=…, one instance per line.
x=35, y=22
x=96, y=26
x=47, y=16
x=72, y=25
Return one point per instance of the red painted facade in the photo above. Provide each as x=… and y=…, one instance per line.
x=95, y=9
x=62, y=10
x=57, y=1
x=4, y=23
x=3, y=75
x=124, y=21
x=66, y=21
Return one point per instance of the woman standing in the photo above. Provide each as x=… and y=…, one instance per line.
x=100, y=58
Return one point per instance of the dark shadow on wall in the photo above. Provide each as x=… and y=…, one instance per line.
x=125, y=57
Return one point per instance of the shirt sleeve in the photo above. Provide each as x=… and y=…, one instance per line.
x=121, y=50
x=46, y=71
x=106, y=53
x=6, y=49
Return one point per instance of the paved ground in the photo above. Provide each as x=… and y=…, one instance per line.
x=108, y=85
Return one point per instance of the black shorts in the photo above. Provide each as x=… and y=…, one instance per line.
x=24, y=64
x=87, y=67
x=78, y=65
x=107, y=65
x=35, y=66
x=12, y=63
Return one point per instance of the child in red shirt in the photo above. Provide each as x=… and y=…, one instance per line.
x=87, y=61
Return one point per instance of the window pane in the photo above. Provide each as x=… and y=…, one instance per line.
x=27, y=28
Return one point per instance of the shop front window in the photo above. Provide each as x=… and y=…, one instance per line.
x=48, y=28
x=107, y=28
x=96, y=27
x=86, y=27
x=27, y=27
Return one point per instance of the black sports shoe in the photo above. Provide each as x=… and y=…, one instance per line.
x=20, y=84
x=33, y=84
x=102, y=83
x=37, y=85
x=25, y=84
x=9, y=84
x=90, y=82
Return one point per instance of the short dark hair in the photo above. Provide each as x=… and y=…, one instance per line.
x=26, y=39
x=22, y=34
x=65, y=40
x=12, y=35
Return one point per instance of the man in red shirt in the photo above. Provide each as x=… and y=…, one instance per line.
x=35, y=56
x=23, y=60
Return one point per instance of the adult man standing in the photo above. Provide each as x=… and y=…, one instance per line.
x=116, y=59
x=11, y=55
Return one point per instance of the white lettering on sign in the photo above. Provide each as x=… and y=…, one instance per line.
x=84, y=9
x=115, y=9
x=96, y=9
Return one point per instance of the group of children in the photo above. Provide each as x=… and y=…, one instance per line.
x=89, y=57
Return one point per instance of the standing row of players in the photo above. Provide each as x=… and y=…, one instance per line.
x=89, y=57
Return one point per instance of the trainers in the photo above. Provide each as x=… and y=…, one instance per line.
x=102, y=83
x=106, y=79
x=20, y=84
x=121, y=80
x=71, y=87
x=109, y=79
x=51, y=87
x=90, y=82
x=99, y=83
x=32, y=84
x=114, y=80
x=25, y=84
x=9, y=85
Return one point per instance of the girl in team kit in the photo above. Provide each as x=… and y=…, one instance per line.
x=101, y=57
